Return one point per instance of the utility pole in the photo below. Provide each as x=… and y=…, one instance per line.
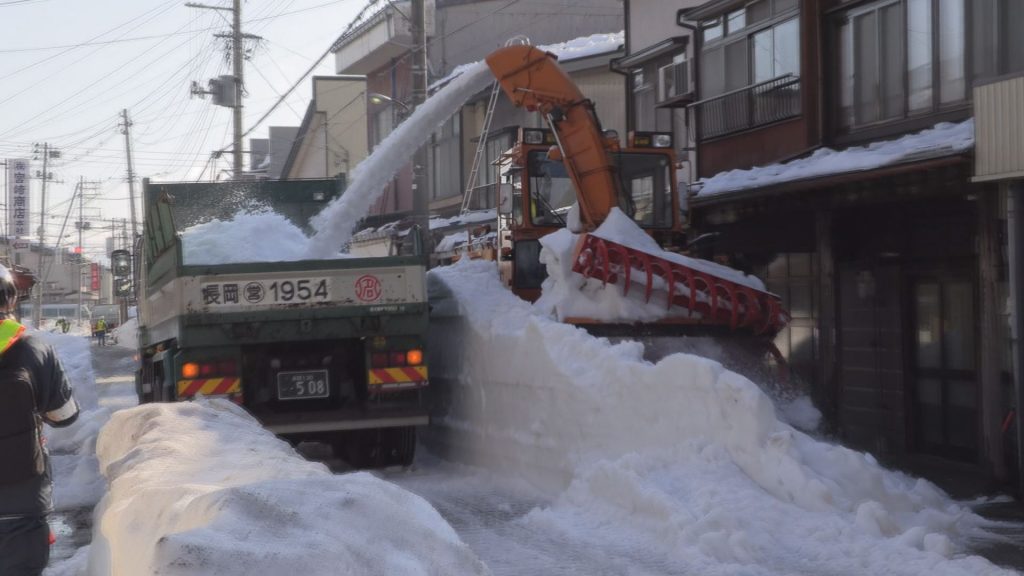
x=45, y=176
x=234, y=100
x=420, y=182
x=236, y=45
x=81, y=251
x=126, y=130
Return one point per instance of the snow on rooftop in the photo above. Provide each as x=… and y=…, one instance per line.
x=940, y=140
x=575, y=49
x=201, y=489
x=679, y=460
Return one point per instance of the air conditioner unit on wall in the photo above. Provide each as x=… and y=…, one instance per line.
x=673, y=80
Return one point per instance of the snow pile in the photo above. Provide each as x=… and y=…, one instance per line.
x=335, y=223
x=567, y=294
x=77, y=481
x=940, y=140
x=127, y=335
x=200, y=488
x=582, y=47
x=262, y=236
x=681, y=458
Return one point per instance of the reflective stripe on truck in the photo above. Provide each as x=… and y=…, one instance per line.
x=209, y=386
x=401, y=377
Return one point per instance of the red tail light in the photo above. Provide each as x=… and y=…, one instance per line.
x=207, y=369
x=227, y=367
x=397, y=358
x=379, y=359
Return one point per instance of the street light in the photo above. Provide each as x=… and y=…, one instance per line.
x=378, y=99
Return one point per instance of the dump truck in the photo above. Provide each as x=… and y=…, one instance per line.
x=325, y=350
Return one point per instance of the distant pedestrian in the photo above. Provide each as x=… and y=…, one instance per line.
x=33, y=390
x=101, y=332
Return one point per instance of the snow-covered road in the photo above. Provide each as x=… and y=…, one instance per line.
x=696, y=511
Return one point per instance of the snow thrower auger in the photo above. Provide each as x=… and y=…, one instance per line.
x=715, y=300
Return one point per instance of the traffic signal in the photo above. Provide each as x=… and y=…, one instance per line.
x=121, y=263
x=122, y=286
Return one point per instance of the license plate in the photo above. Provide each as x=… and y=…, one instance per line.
x=302, y=385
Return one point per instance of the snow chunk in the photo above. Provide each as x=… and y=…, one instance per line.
x=200, y=488
x=943, y=139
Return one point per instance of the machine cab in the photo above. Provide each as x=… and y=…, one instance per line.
x=537, y=196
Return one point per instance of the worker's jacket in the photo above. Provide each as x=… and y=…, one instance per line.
x=33, y=390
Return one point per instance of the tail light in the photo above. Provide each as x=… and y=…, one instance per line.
x=189, y=370
x=213, y=368
x=395, y=358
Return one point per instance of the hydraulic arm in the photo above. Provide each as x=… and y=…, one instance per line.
x=532, y=79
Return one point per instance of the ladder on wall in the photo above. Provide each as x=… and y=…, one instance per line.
x=481, y=149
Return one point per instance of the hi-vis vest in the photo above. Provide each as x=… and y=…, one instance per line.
x=21, y=447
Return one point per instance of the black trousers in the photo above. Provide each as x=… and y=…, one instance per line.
x=24, y=546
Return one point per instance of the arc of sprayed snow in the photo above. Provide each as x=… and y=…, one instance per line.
x=334, y=225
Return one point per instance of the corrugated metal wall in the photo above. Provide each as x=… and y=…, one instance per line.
x=999, y=129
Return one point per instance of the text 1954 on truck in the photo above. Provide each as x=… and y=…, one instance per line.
x=325, y=350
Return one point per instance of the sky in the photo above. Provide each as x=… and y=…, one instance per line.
x=68, y=68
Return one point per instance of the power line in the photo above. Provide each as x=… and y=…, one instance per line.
x=88, y=43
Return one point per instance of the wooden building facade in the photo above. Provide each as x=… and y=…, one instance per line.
x=891, y=259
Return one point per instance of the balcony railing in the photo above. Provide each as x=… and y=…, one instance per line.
x=746, y=108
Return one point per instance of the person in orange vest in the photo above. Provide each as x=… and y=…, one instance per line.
x=33, y=389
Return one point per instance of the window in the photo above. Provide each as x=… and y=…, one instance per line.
x=752, y=78
x=736, y=21
x=919, y=54
x=486, y=193
x=755, y=44
x=712, y=29
x=645, y=176
x=383, y=124
x=887, y=60
x=777, y=51
x=648, y=116
x=952, y=85
x=445, y=160
x=996, y=41
x=647, y=179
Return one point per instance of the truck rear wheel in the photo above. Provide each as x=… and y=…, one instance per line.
x=377, y=448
